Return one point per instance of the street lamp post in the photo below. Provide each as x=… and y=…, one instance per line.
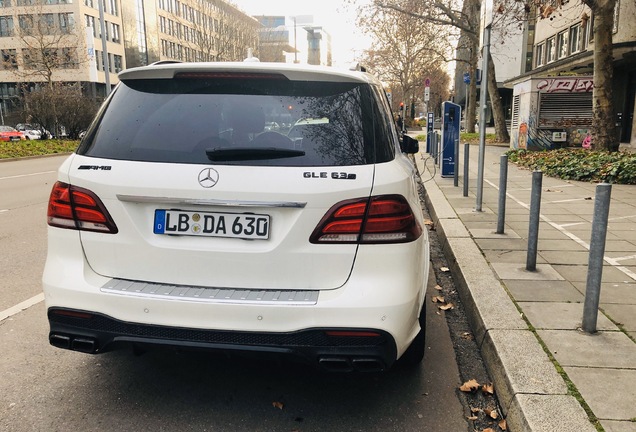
x=102, y=27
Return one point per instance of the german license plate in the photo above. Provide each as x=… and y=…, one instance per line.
x=212, y=224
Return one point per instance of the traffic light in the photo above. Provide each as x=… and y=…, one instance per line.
x=401, y=106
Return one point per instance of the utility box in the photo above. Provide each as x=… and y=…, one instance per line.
x=550, y=113
x=451, y=116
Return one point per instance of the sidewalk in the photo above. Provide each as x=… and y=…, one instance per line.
x=519, y=316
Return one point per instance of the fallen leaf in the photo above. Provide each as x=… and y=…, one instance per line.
x=493, y=414
x=472, y=418
x=428, y=222
x=438, y=288
x=488, y=430
x=467, y=336
x=447, y=306
x=488, y=388
x=503, y=425
x=278, y=405
x=475, y=410
x=469, y=386
x=438, y=299
x=446, y=269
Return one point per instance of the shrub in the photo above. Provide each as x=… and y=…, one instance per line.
x=580, y=164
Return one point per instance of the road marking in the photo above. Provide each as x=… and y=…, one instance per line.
x=21, y=306
x=611, y=261
x=27, y=175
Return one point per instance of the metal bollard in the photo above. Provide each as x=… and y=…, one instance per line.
x=535, y=211
x=466, y=160
x=456, y=164
x=597, y=252
x=503, y=181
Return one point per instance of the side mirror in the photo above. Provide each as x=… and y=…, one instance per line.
x=409, y=145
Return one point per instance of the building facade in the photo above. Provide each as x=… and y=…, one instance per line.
x=45, y=41
x=560, y=77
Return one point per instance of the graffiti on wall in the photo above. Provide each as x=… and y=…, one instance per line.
x=566, y=85
x=531, y=137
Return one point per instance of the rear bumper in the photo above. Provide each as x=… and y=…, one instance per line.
x=346, y=350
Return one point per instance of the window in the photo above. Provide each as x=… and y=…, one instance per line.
x=550, y=50
x=562, y=44
x=48, y=24
x=67, y=22
x=28, y=58
x=617, y=6
x=69, y=58
x=6, y=26
x=9, y=59
x=5, y=3
x=89, y=3
x=90, y=22
x=575, y=38
x=26, y=23
x=540, y=55
x=115, y=33
x=113, y=7
x=117, y=61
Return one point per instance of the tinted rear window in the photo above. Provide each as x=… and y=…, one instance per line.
x=194, y=120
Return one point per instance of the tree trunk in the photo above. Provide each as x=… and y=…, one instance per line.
x=604, y=135
x=501, y=131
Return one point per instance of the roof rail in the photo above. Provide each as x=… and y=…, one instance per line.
x=358, y=67
x=160, y=62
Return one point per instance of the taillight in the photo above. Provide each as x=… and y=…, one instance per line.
x=380, y=219
x=73, y=207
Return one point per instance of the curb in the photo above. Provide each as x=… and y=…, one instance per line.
x=532, y=395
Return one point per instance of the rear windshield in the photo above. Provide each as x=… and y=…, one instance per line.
x=248, y=121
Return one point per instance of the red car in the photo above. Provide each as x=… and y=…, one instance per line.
x=7, y=133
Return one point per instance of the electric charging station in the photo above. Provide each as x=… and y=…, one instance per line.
x=450, y=137
x=430, y=129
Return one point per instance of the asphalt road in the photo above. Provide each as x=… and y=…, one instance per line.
x=47, y=389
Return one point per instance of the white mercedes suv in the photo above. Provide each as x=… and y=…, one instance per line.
x=182, y=221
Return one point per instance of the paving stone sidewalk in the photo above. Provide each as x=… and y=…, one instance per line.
x=520, y=316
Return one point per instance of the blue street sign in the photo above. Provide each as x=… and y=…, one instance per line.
x=467, y=77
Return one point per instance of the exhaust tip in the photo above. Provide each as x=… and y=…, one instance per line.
x=84, y=345
x=335, y=364
x=60, y=341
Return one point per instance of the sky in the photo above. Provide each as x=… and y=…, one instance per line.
x=336, y=17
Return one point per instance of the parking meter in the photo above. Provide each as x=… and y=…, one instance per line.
x=452, y=114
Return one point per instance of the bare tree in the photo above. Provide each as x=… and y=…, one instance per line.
x=447, y=14
x=603, y=128
x=49, y=44
x=404, y=52
x=70, y=109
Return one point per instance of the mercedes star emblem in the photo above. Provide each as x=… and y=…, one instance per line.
x=208, y=177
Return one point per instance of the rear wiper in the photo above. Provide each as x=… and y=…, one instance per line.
x=251, y=153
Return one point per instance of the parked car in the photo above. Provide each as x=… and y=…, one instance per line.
x=7, y=133
x=33, y=131
x=181, y=222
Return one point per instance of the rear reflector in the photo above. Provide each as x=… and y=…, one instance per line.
x=380, y=219
x=351, y=333
x=73, y=207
